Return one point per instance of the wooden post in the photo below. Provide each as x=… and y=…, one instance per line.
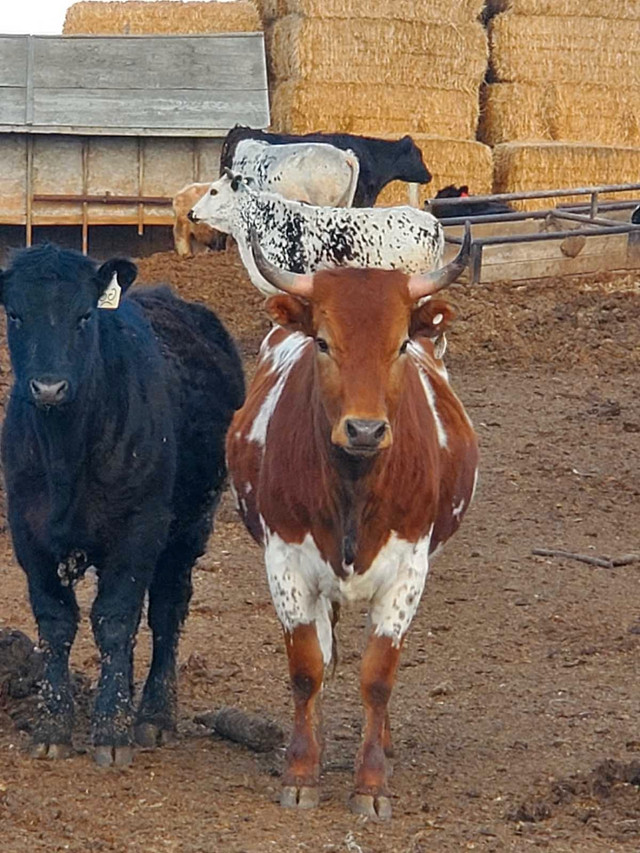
x=85, y=206
x=140, y=182
x=29, y=189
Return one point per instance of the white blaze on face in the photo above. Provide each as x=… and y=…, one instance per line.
x=303, y=585
x=283, y=357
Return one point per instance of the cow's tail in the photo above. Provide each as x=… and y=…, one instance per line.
x=354, y=165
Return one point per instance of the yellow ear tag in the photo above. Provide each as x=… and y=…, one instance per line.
x=111, y=297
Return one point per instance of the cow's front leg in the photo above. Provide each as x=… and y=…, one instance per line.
x=379, y=666
x=115, y=617
x=302, y=766
x=56, y=613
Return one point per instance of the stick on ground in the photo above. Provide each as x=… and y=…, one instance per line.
x=603, y=562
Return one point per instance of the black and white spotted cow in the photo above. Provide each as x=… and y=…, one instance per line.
x=303, y=238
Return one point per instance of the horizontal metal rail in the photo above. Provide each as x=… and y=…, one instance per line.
x=104, y=199
x=532, y=194
x=522, y=215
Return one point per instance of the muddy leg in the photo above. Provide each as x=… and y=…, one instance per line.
x=306, y=668
x=378, y=671
x=115, y=616
x=56, y=612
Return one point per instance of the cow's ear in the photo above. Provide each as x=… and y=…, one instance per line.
x=431, y=319
x=290, y=312
x=124, y=272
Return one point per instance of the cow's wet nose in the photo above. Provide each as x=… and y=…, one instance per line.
x=49, y=393
x=190, y=216
x=364, y=434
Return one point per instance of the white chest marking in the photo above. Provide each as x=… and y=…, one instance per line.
x=303, y=585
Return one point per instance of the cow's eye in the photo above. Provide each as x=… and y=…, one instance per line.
x=404, y=346
x=82, y=322
x=322, y=345
x=14, y=319
x=213, y=192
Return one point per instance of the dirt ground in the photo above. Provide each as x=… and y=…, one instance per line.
x=516, y=713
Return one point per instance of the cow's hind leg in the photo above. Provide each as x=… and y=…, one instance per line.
x=169, y=596
x=379, y=666
x=56, y=612
x=302, y=767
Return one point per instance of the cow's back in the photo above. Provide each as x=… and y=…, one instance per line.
x=205, y=379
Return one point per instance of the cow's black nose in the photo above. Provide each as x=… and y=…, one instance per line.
x=364, y=434
x=49, y=393
x=190, y=216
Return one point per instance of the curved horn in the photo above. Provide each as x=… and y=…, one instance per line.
x=298, y=285
x=432, y=282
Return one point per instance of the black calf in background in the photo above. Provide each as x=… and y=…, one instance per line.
x=113, y=453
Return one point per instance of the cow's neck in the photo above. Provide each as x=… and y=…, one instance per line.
x=63, y=436
x=353, y=497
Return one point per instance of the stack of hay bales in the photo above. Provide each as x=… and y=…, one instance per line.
x=162, y=17
x=564, y=109
x=384, y=68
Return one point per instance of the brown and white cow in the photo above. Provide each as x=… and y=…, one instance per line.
x=185, y=232
x=353, y=461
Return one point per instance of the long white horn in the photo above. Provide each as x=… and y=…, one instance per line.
x=432, y=282
x=290, y=282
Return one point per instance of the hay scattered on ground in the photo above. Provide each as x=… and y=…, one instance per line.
x=535, y=49
x=352, y=108
x=567, y=112
x=521, y=166
x=161, y=17
x=451, y=161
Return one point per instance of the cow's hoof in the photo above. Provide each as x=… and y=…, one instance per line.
x=303, y=797
x=51, y=751
x=376, y=808
x=113, y=756
x=148, y=735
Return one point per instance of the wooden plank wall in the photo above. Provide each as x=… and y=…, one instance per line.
x=133, y=85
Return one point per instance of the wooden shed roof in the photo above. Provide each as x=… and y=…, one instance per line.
x=133, y=85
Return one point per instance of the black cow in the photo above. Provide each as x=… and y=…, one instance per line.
x=113, y=453
x=381, y=160
x=635, y=216
x=472, y=208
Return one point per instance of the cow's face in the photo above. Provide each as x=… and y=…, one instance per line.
x=411, y=163
x=218, y=204
x=51, y=298
x=362, y=322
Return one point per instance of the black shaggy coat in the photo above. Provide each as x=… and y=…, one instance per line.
x=113, y=454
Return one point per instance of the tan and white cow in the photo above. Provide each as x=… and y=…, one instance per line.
x=353, y=461
x=185, y=232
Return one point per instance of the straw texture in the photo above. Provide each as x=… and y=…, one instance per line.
x=131, y=17
x=379, y=51
x=574, y=50
x=620, y=9
x=522, y=166
x=566, y=112
x=352, y=108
